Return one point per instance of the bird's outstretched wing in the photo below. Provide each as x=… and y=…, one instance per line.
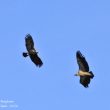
x=29, y=43
x=85, y=80
x=82, y=63
x=36, y=60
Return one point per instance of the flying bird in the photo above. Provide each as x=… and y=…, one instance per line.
x=29, y=43
x=84, y=73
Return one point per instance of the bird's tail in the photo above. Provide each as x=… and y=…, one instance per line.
x=25, y=54
x=92, y=75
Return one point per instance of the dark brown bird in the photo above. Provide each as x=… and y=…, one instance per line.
x=29, y=43
x=84, y=73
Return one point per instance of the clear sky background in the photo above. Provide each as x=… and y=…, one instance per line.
x=59, y=28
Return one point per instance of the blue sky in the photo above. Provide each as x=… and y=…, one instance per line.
x=59, y=28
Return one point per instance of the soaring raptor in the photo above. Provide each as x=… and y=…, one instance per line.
x=29, y=43
x=84, y=73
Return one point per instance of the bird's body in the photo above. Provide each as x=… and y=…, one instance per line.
x=29, y=43
x=84, y=73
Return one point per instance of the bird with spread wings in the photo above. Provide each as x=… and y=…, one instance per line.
x=29, y=43
x=84, y=73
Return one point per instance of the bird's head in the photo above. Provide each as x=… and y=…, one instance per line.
x=77, y=74
x=25, y=54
